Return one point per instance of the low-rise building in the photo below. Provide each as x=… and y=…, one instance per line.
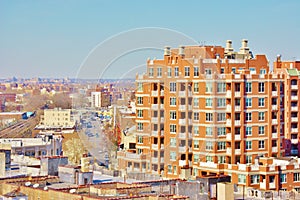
x=57, y=118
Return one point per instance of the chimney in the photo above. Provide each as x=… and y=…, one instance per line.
x=228, y=46
x=181, y=51
x=244, y=49
x=167, y=51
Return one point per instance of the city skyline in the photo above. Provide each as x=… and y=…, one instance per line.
x=54, y=39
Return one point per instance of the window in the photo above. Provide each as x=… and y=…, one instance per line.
x=176, y=72
x=196, y=157
x=248, y=87
x=208, y=87
x=208, y=145
x=255, y=179
x=172, y=87
x=172, y=155
x=242, y=178
x=209, y=131
x=261, y=87
x=139, y=126
x=221, y=102
x=140, y=113
x=169, y=71
x=196, y=116
x=140, y=87
x=261, y=144
x=208, y=102
x=175, y=169
x=140, y=139
x=263, y=71
x=209, y=117
x=172, y=115
x=186, y=71
x=221, y=159
x=248, y=159
x=261, y=116
x=169, y=169
x=221, y=131
x=221, y=117
x=248, y=116
x=196, y=130
x=196, y=71
x=248, y=130
x=208, y=71
x=196, y=144
x=196, y=102
x=151, y=73
x=282, y=178
x=248, y=102
x=261, y=102
x=196, y=87
x=172, y=142
x=248, y=145
x=221, y=87
x=261, y=130
x=209, y=159
x=296, y=176
x=172, y=101
x=172, y=128
x=221, y=145
x=159, y=72
x=139, y=100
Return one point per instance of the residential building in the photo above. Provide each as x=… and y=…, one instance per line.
x=57, y=118
x=204, y=110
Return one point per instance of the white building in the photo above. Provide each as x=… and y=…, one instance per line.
x=57, y=118
x=96, y=99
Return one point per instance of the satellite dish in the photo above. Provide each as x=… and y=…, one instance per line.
x=27, y=184
x=45, y=188
x=72, y=191
x=36, y=185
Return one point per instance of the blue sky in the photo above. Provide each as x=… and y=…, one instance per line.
x=54, y=38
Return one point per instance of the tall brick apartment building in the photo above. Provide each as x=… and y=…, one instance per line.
x=210, y=110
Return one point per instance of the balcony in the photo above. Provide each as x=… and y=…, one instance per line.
x=181, y=122
x=274, y=107
x=162, y=133
x=228, y=150
x=154, y=93
x=272, y=185
x=237, y=122
x=183, y=163
x=294, y=151
x=274, y=93
x=154, y=120
x=182, y=135
x=162, y=160
x=294, y=108
x=154, y=133
x=228, y=122
x=294, y=141
x=274, y=121
x=274, y=149
x=237, y=151
x=154, y=160
x=182, y=94
x=182, y=107
x=237, y=108
x=154, y=146
x=162, y=93
x=182, y=149
x=228, y=136
x=263, y=184
x=237, y=94
x=162, y=146
x=274, y=135
x=228, y=94
x=228, y=108
x=294, y=119
x=294, y=87
x=154, y=106
x=294, y=98
x=294, y=130
x=162, y=120
x=161, y=106
x=237, y=136
x=209, y=165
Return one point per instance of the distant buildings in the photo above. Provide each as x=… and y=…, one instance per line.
x=57, y=118
x=209, y=110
